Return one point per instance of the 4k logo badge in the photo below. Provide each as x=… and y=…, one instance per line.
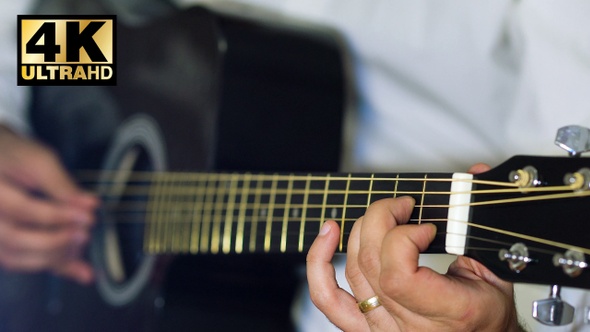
x=66, y=50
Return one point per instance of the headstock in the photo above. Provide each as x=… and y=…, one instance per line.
x=536, y=227
x=530, y=222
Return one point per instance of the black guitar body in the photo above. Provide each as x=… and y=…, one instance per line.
x=226, y=94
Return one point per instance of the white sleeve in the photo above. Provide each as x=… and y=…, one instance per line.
x=13, y=99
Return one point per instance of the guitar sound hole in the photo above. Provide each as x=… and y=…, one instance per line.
x=123, y=269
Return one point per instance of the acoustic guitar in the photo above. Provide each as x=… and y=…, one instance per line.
x=516, y=219
x=524, y=219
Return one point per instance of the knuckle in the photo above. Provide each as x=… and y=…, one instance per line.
x=369, y=261
x=319, y=299
x=353, y=275
x=311, y=257
x=383, y=203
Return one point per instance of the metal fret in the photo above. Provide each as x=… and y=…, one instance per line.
x=270, y=213
x=304, y=213
x=178, y=212
x=151, y=217
x=371, y=189
x=340, y=247
x=207, y=210
x=395, y=187
x=422, y=200
x=186, y=220
x=199, y=195
x=323, y=217
x=165, y=216
x=158, y=214
x=218, y=215
x=255, y=215
x=286, y=215
x=183, y=229
x=229, y=214
x=242, y=215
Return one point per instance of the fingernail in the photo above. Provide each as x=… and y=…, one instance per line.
x=325, y=229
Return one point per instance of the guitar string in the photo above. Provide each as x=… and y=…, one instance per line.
x=84, y=177
x=289, y=233
x=177, y=182
x=496, y=246
x=180, y=200
x=502, y=201
x=491, y=229
x=187, y=190
x=100, y=178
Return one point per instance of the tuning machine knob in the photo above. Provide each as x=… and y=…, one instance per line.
x=574, y=139
x=517, y=257
x=572, y=262
x=579, y=180
x=526, y=177
x=553, y=310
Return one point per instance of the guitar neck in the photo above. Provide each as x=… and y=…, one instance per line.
x=198, y=213
x=492, y=220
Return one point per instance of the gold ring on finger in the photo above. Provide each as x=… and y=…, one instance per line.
x=369, y=304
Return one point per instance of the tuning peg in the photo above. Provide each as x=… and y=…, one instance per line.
x=553, y=311
x=517, y=257
x=574, y=139
x=572, y=262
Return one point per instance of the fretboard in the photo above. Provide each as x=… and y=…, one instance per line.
x=200, y=213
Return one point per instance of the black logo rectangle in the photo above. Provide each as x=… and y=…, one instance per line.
x=66, y=50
